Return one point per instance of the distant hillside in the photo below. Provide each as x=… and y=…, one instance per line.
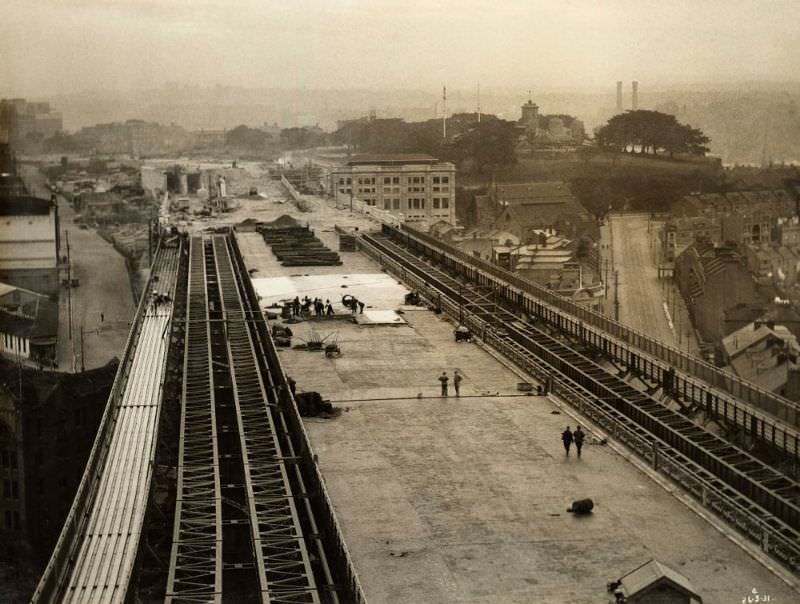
x=748, y=124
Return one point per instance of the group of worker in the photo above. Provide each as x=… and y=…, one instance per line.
x=568, y=437
x=157, y=299
x=303, y=309
x=445, y=380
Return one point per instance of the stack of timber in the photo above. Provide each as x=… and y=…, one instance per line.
x=347, y=239
x=298, y=246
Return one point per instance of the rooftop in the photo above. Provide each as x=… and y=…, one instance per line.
x=27, y=314
x=652, y=573
x=533, y=192
x=740, y=340
x=24, y=206
x=393, y=159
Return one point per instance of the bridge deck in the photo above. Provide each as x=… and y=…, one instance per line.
x=462, y=500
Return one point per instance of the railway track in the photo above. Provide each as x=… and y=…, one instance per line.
x=760, y=501
x=195, y=572
x=94, y=556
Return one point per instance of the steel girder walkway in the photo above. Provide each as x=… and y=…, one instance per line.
x=237, y=533
x=195, y=568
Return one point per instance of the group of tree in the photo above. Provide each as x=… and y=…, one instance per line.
x=651, y=132
x=473, y=145
x=243, y=137
x=638, y=188
x=253, y=139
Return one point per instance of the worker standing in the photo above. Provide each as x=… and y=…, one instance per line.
x=578, y=437
x=566, y=438
x=457, y=382
x=444, y=379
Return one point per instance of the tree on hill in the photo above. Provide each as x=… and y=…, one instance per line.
x=302, y=138
x=632, y=188
x=243, y=137
x=487, y=144
x=651, y=131
x=473, y=145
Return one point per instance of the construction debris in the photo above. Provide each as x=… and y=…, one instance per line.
x=581, y=506
x=310, y=404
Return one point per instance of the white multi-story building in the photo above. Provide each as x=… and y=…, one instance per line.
x=29, y=243
x=415, y=188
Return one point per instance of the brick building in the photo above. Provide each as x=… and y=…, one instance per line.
x=712, y=280
x=48, y=422
x=524, y=209
x=743, y=216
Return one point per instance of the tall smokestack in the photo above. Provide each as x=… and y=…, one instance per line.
x=619, y=96
x=444, y=111
x=634, y=95
x=479, y=102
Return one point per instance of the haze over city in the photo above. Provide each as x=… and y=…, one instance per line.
x=51, y=47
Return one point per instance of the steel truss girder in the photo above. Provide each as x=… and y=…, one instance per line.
x=195, y=573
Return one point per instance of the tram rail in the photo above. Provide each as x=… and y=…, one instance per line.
x=237, y=532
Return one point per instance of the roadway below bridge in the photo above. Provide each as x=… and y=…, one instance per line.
x=646, y=303
x=102, y=304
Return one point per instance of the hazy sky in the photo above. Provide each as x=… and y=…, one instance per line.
x=52, y=46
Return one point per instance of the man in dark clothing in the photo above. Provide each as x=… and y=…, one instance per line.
x=444, y=379
x=578, y=436
x=296, y=306
x=566, y=438
x=361, y=306
x=329, y=309
x=457, y=382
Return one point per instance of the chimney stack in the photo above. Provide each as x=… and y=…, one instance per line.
x=619, y=97
x=634, y=95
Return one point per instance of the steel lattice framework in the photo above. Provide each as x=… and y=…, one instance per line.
x=249, y=500
x=282, y=561
x=195, y=573
x=235, y=517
